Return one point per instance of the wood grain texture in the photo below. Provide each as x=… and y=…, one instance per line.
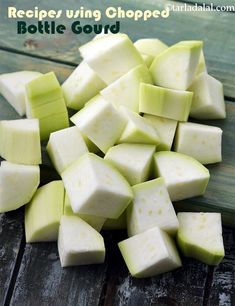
x=223, y=285
x=42, y=281
x=194, y=284
x=11, y=62
x=11, y=232
x=169, y=289
x=214, y=28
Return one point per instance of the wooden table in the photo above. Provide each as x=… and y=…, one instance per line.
x=31, y=274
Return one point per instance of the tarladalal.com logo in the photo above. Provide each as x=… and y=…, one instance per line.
x=199, y=7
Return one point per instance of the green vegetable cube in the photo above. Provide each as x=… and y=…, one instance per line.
x=208, y=98
x=18, y=184
x=200, y=236
x=203, y=142
x=132, y=160
x=20, y=141
x=151, y=207
x=184, y=176
x=150, y=253
x=111, y=56
x=45, y=101
x=100, y=122
x=65, y=146
x=12, y=87
x=82, y=85
x=94, y=187
x=79, y=243
x=176, y=67
x=43, y=213
x=166, y=103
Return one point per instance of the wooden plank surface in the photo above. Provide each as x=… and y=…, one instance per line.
x=168, y=289
x=11, y=62
x=11, y=233
x=223, y=285
x=42, y=281
x=215, y=28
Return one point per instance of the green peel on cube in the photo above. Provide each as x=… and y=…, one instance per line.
x=94, y=187
x=43, y=213
x=150, y=46
x=12, y=87
x=125, y=90
x=137, y=129
x=111, y=56
x=176, y=67
x=150, y=253
x=20, y=141
x=81, y=86
x=18, y=184
x=65, y=147
x=151, y=207
x=101, y=122
x=45, y=101
x=184, y=176
x=94, y=221
x=208, y=99
x=133, y=161
x=203, y=142
x=166, y=129
x=79, y=243
x=200, y=236
x=164, y=102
